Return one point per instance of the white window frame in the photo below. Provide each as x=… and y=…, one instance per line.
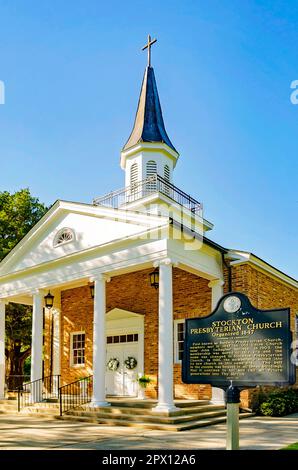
x=72, y=334
x=176, y=348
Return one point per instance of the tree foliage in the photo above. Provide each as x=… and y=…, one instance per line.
x=19, y=212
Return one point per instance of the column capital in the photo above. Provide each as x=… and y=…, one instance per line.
x=4, y=301
x=166, y=262
x=216, y=282
x=37, y=291
x=99, y=277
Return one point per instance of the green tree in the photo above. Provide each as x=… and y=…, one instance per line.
x=19, y=212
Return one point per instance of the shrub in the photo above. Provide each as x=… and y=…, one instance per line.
x=278, y=402
x=144, y=380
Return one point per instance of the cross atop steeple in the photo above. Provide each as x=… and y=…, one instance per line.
x=148, y=46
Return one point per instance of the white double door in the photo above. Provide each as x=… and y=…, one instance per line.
x=122, y=382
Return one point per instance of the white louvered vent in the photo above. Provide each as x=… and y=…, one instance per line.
x=166, y=173
x=151, y=170
x=134, y=174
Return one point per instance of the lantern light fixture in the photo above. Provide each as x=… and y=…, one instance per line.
x=49, y=300
x=154, y=278
x=91, y=286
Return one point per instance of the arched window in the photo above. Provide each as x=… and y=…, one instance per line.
x=134, y=174
x=166, y=173
x=65, y=235
x=151, y=171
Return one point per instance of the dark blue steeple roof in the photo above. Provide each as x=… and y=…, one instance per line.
x=148, y=125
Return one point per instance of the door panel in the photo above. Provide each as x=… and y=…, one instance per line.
x=123, y=381
x=129, y=383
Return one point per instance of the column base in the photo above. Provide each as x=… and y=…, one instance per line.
x=218, y=396
x=165, y=408
x=99, y=404
x=141, y=394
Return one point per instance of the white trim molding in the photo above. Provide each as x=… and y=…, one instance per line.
x=176, y=342
x=71, y=356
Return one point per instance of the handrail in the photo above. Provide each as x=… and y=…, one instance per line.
x=75, y=394
x=38, y=390
x=150, y=185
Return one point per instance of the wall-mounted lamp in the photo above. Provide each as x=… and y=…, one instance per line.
x=49, y=300
x=91, y=286
x=154, y=278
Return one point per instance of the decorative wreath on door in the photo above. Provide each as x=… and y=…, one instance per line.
x=131, y=362
x=113, y=364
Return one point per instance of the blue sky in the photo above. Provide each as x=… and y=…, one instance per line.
x=73, y=70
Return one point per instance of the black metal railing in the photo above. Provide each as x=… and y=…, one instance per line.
x=40, y=390
x=14, y=382
x=152, y=184
x=75, y=394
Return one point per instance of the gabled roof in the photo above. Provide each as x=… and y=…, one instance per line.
x=149, y=125
x=93, y=225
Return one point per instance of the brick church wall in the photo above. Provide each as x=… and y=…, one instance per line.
x=191, y=298
x=132, y=292
x=264, y=292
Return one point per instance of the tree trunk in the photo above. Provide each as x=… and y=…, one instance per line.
x=16, y=359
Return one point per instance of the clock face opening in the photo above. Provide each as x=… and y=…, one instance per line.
x=232, y=304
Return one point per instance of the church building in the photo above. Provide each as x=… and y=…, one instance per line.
x=125, y=271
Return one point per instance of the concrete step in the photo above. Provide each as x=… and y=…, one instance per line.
x=135, y=403
x=153, y=418
x=148, y=411
x=8, y=406
x=41, y=409
x=152, y=426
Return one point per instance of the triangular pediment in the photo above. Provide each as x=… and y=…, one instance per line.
x=92, y=226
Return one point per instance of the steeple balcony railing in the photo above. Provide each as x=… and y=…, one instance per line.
x=154, y=184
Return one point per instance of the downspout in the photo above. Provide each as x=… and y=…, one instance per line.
x=229, y=268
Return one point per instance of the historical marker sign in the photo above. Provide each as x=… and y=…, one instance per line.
x=238, y=343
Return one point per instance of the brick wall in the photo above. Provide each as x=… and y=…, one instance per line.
x=191, y=298
x=264, y=292
x=133, y=292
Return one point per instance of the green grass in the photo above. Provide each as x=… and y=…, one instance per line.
x=291, y=447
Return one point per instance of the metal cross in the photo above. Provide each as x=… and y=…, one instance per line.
x=148, y=46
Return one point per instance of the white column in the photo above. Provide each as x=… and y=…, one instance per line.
x=56, y=312
x=36, y=344
x=2, y=349
x=56, y=341
x=218, y=395
x=165, y=339
x=99, y=342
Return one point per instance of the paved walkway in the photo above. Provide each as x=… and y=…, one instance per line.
x=21, y=432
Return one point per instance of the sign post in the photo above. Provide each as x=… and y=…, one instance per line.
x=237, y=347
x=233, y=400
